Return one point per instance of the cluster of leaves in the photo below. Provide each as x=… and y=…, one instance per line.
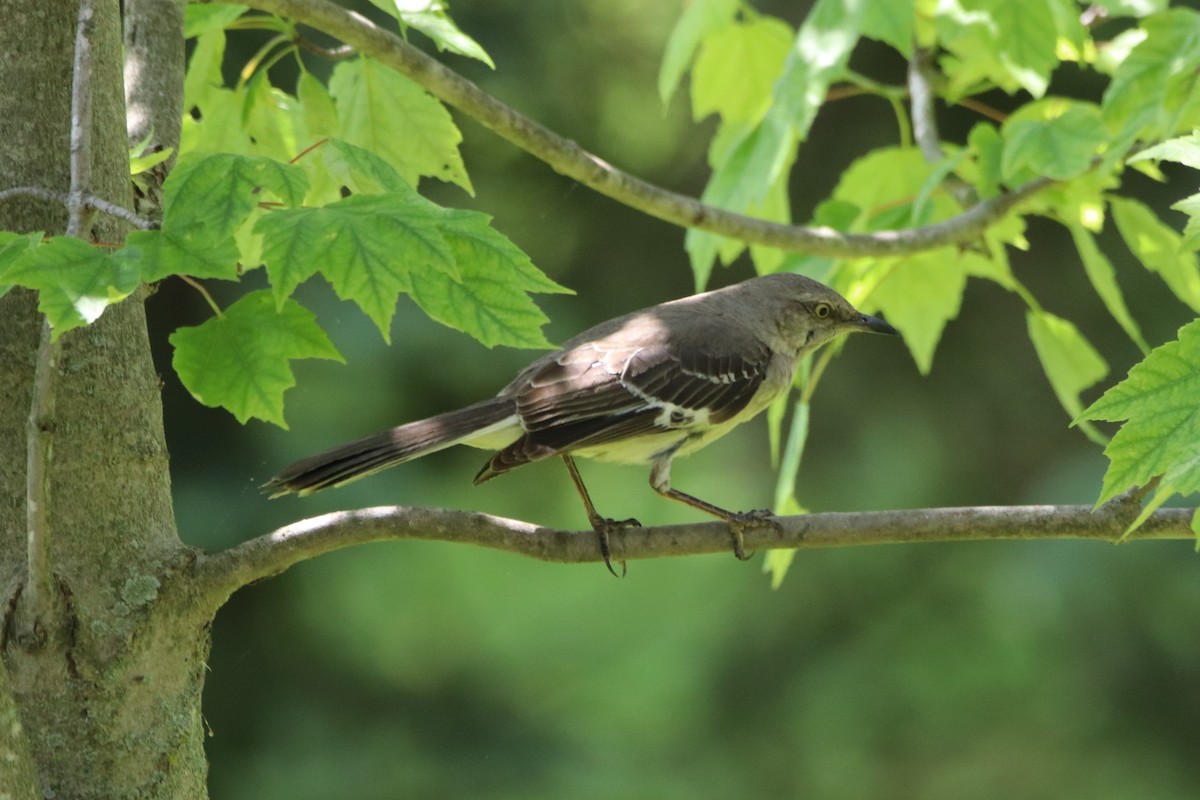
x=319, y=182
x=765, y=82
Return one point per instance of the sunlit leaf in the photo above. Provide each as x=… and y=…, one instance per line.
x=1159, y=248
x=388, y=114
x=1103, y=276
x=1070, y=362
x=737, y=66
x=75, y=281
x=699, y=18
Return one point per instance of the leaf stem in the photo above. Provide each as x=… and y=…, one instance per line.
x=199, y=287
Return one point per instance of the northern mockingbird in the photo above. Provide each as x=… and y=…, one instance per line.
x=642, y=388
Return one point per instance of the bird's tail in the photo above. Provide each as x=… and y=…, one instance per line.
x=366, y=456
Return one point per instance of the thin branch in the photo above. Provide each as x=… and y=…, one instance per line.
x=568, y=158
x=89, y=200
x=983, y=109
x=39, y=603
x=339, y=53
x=120, y=212
x=218, y=575
x=920, y=89
x=78, y=211
x=39, y=610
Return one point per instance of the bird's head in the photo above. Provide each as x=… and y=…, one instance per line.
x=811, y=314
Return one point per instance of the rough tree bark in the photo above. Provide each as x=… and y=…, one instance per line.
x=108, y=684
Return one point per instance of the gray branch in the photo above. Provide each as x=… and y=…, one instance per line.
x=78, y=212
x=218, y=575
x=568, y=158
x=39, y=610
x=920, y=90
x=89, y=200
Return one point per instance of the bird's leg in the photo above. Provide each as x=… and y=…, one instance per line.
x=660, y=481
x=601, y=525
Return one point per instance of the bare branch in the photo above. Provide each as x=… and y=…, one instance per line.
x=920, y=90
x=218, y=575
x=81, y=124
x=39, y=605
x=39, y=609
x=568, y=158
x=89, y=200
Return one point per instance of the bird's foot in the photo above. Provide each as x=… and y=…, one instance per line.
x=603, y=526
x=739, y=522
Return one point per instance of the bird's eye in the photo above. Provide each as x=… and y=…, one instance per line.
x=822, y=310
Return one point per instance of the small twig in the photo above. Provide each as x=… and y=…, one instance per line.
x=38, y=606
x=208, y=298
x=39, y=610
x=218, y=575
x=1093, y=15
x=924, y=120
x=568, y=158
x=320, y=142
x=339, y=53
x=89, y=200
x=120, y=212
x=78, y=211
x=994, y=114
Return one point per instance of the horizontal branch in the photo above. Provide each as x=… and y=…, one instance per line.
x=568, y=158
x=88, y=200
x=218, y=575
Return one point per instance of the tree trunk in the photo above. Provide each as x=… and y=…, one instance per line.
x=108, y=688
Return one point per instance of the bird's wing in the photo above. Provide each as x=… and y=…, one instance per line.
x=617, y=388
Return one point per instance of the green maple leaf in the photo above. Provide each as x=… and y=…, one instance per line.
x=737, y=66
x=368, y=246
x=698, y=20
x=1059, y=147
x=75, y=281
x=1144, y=89
x=1159, y=248
x=220, y=190
x=490, y=302
x=919, y=295
x=193, y=250
x=206, y=200
x=388, y=114
x=241, y=359
x=1160, y=403
x=1070, y=362
x=14, y=247
x=753, y=158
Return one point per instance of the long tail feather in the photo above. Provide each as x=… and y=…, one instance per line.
x=369, y=455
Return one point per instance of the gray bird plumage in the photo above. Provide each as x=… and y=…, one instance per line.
x=641, y=388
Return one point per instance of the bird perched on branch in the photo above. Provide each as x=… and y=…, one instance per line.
x=642, y=388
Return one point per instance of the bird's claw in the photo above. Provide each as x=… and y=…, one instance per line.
x=603, y=526
x=739, y=522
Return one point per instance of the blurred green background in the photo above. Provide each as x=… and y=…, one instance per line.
x=1064, y=670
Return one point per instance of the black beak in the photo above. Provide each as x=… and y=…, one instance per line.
x=875, y=325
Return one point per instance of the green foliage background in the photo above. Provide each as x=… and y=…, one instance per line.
x=1039, y=669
